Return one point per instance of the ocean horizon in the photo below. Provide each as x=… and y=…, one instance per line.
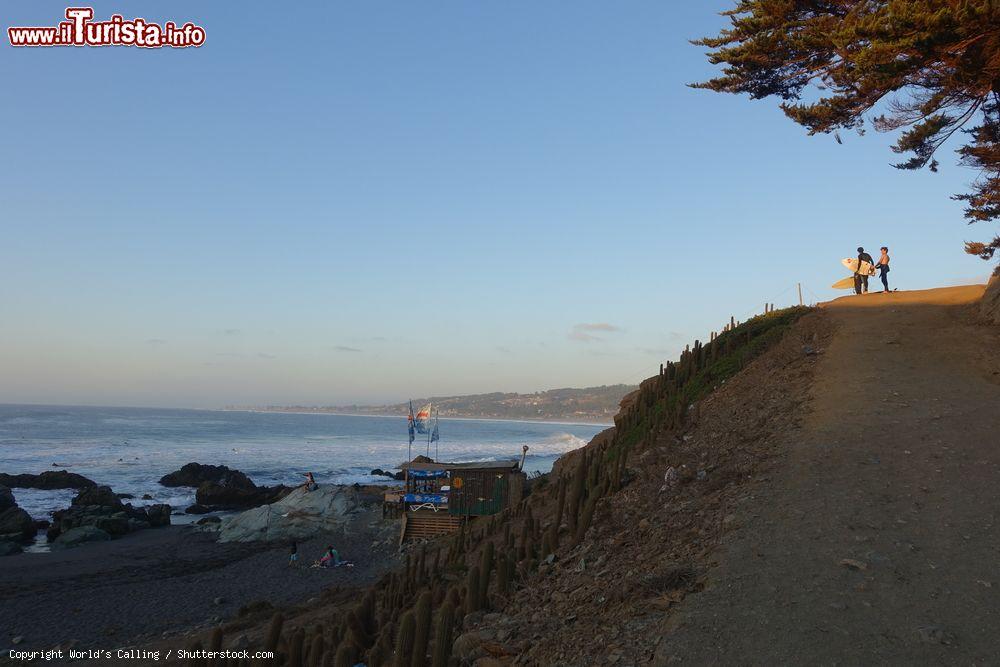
x=131, y=448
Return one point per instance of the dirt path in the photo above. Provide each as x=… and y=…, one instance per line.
x=875, y=538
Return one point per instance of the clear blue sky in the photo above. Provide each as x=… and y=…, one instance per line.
x=366, y=201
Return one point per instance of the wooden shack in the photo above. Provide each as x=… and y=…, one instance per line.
x=438, y=497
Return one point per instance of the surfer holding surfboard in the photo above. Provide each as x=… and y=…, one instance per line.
x=864, y=269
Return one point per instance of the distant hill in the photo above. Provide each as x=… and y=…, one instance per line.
x=592, y=404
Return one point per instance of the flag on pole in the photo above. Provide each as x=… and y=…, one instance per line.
x=410, y=424
x=422, y=421
x=435, y=436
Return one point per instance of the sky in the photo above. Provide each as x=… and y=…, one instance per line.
x=362, y=202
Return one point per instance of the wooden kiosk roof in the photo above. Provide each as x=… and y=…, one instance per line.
x=473, y=465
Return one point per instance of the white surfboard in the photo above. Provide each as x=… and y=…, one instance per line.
x=846, y=283
x=851, y=263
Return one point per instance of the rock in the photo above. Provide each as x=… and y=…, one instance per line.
x=420, y=458
x=219, y=496
x=97, y=496
x=125, y=496
x=158, y=515
x=80, y=535
x=101, y=508
x=853, y=564
x=146, y=496
x=17, y=524
x=115, y=526
x=17, y=640
x=643, y=524
x=196, y=474
x=48, y=480
x=197, y=509
x=6, y=499
x=398, y=476
x=42, y=524
x=218, y=601
x=9, y=548
x=137, y=524
x=299, y=515
x=465, y=645
x=241, y=642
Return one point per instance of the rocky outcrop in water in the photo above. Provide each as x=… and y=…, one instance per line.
x=196, y=474
x=16, y=525
x=222, y=488
x=99, y=507
x=48, y=480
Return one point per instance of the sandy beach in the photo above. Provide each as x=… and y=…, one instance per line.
x=163, y=582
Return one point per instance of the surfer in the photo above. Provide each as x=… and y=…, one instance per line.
x=883, y=269
x=860, y=275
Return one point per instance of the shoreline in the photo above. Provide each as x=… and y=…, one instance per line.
x=162, y=583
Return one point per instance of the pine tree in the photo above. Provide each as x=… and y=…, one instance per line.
x=930, y=67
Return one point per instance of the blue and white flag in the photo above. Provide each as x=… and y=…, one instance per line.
x=435, y=436
x=410, y=425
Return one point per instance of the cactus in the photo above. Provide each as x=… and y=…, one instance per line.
x=485, y=571
x=295, y=649
x=472, y=602
x=363, y=639
x=215, y=643
x=442, y=636
x=547, y=543
x=588, y=515
x=346, y=655
x=195, y=662
x=503, y=577
x=576, y=491
x=560, y=508
x=404, y=641
x=422, y=629
x=274, y=632
x=316, y=650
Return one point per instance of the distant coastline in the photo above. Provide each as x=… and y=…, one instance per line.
x=589, y=405
x=555, y=422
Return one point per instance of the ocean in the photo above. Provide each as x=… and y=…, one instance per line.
x=129, y=449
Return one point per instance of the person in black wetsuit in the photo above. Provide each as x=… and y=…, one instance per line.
x=861, y=280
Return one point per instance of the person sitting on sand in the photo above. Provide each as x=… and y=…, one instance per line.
x=310, y=483
x=293, y=555
x=330, y=559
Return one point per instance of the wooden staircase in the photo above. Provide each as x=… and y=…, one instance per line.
x=425, y=524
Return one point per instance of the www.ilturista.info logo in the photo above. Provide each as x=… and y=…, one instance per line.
x=81, y=30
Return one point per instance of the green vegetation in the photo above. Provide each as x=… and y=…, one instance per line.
x=932, y=67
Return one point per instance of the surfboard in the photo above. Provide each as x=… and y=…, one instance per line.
x=851, y=264
x=846, y=283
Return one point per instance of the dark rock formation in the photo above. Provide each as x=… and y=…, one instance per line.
x=79, y=535
x=16, y=525
x=222, y=488
x=398, y=476
x=99, y=507
x=196, y=474
x=223, y=497
x=6, y=499
x=51, y=479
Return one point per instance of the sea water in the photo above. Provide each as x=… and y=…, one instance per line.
x=130, y=449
